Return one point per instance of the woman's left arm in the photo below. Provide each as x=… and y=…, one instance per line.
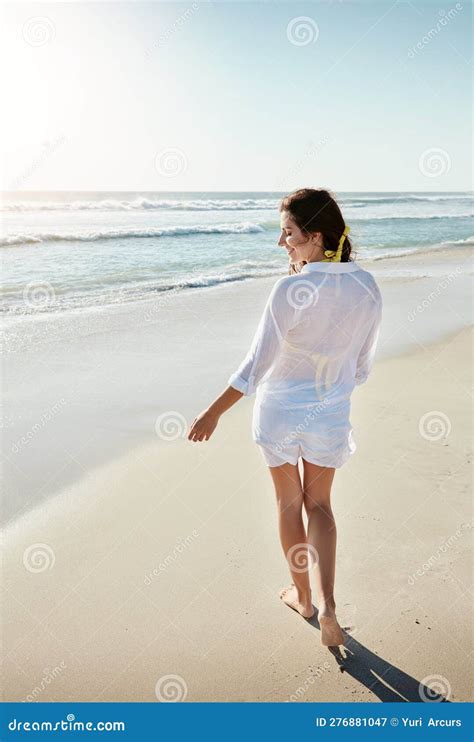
x=277, y=318
x=204, y=424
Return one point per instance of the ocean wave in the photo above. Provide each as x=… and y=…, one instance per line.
x=141, y=203
x=371, y=200
x=466, y=241
x=125, y=287
x=145, y=204
x=400, y=252
x=404, y=217
x=28, y=239
x=14, y=306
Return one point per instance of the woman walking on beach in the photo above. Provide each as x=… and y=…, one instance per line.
x=315, y=342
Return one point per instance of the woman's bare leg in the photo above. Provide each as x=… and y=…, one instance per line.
x=289, y=495
x=322, y=532
x=322, y=536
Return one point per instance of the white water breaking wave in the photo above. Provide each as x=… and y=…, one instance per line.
x=425, y=249
x=142, y=203
x=173, y=231
x=145, y=204
x=28, y=239
x=59, y=298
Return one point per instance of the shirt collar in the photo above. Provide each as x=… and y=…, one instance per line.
x=331, y=267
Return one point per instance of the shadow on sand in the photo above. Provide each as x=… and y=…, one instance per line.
x=389, y=683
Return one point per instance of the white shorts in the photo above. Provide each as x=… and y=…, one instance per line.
x=284, y=436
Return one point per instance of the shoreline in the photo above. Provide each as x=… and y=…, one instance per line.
x=171, y=553
x=106, y=466
x=106, y=377
x=457, y=251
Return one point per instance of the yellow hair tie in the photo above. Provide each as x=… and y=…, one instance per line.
x=334, y=256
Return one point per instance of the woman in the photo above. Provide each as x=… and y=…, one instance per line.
x=315, y=342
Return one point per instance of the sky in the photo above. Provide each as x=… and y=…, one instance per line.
x=350, y=95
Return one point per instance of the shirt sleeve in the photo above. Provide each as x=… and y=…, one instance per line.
x=366, y=356
x=277, y=319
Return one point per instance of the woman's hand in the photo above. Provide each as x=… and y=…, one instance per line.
x=203, y=426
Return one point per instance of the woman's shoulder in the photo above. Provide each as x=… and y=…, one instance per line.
x=369, y=282
x=293, y=292
x=286, y=284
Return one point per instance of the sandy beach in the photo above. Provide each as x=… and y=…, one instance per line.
x=155, y=573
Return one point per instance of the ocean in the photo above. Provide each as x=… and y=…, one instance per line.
x=73, y=251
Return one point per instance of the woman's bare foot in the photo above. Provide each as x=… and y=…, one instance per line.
x=303, y=605
x=331, y=632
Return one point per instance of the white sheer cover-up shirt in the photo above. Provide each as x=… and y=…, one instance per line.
x=316, y=340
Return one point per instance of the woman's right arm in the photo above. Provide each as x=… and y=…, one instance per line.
x=366, y=357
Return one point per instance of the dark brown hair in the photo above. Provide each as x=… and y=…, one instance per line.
x=316, y=210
